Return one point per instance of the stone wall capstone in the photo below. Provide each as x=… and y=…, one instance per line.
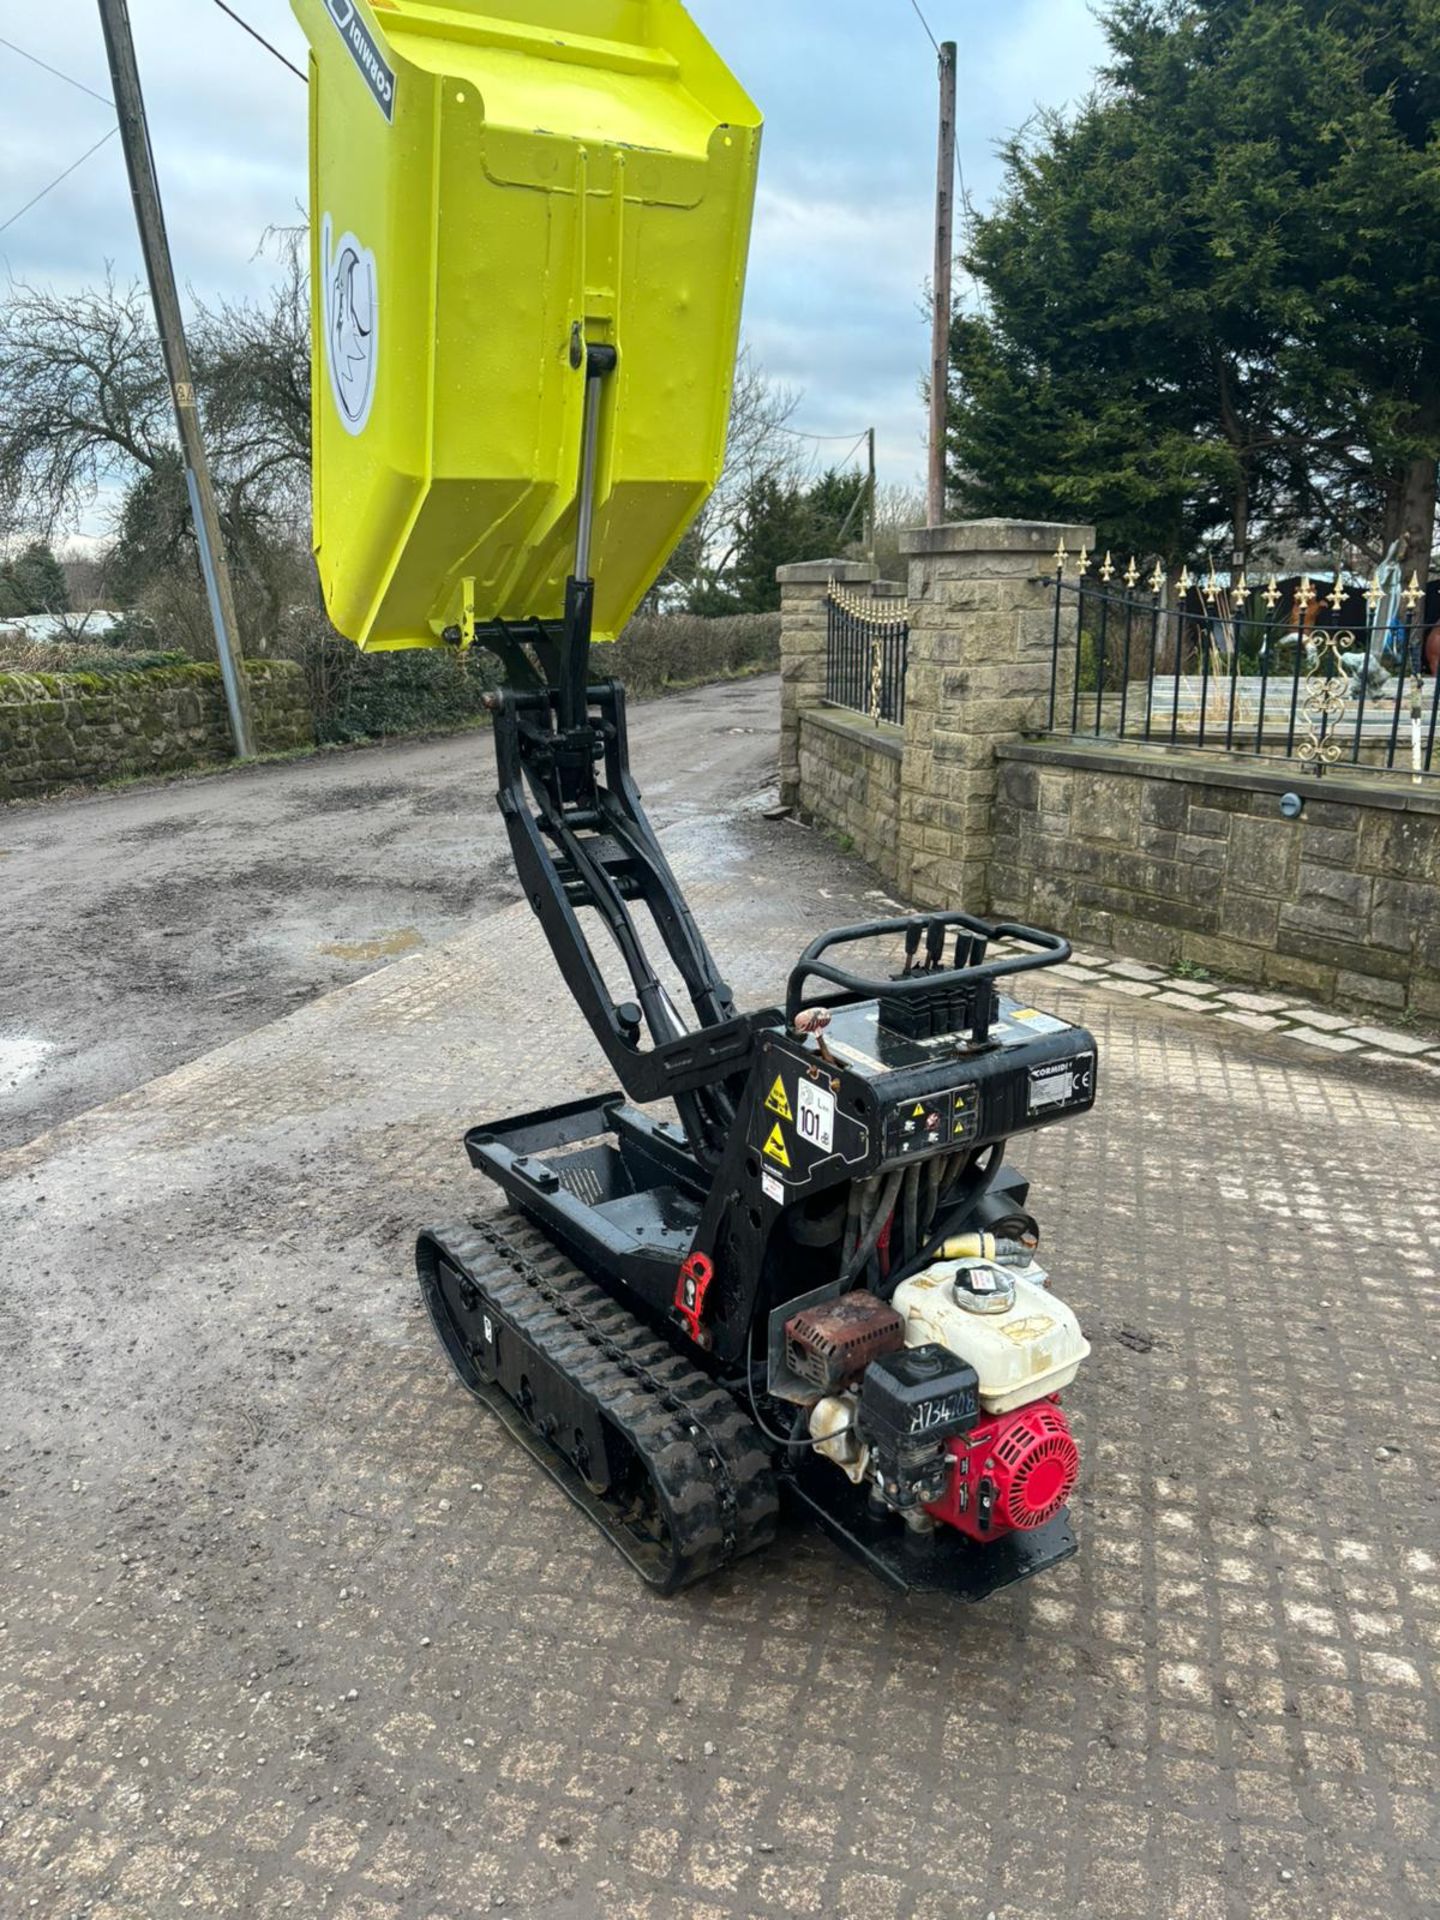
x=1180, y=860
x=60, y=729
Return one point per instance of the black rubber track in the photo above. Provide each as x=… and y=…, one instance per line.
x=708, y=1469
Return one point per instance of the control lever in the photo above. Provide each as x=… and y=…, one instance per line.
x=912, y=947
x=934, y=944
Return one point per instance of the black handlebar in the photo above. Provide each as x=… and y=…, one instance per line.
x=1053, y=948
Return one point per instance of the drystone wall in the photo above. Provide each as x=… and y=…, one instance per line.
x=60, y=729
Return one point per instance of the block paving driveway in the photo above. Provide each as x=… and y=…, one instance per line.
x=289, y=1626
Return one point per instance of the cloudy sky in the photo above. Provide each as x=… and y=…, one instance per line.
x=840, y=257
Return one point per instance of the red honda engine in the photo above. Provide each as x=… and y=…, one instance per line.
x=1011, y=1471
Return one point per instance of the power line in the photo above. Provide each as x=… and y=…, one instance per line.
x=798, y=433
x=35, y=60
x=109, y=134
x=967, y=212
x=926, y=24
x=261, y=38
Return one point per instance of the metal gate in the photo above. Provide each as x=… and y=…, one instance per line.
x=867, y=644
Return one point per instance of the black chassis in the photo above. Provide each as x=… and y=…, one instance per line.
x=685, y=1221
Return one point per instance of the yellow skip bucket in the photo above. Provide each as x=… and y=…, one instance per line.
x=491, y=194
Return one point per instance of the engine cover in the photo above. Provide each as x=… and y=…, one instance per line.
x=1011, y=1472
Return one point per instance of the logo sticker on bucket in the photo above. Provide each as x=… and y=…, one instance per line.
x=350, y=309
x=360, y=45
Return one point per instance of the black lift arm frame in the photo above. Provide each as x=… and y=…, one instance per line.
x=580, y=839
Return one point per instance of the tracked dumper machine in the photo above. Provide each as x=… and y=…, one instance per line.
x=785, y=1259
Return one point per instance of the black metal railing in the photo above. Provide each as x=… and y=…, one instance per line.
x=867, y=646
x=1313, y=673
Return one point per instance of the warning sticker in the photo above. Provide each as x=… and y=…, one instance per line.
x=772, y=1186
x=1040, y=1022
x=778, y=1101
x=817, y=1116
x=775, y=1146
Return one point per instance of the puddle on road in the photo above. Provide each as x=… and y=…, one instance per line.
x=21, y=1057
x=385, y=946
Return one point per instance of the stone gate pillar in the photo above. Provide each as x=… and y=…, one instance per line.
x=982, y=622
x=803, y=586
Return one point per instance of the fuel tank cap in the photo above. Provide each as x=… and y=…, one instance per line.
x=979, y=1286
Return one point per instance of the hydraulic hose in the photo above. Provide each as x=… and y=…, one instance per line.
x=973, y=1182
x=910, y=1216
x=875, y=1225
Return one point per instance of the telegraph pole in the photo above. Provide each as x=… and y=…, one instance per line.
x=150, y=219
x=944, y=252
x=870, y=498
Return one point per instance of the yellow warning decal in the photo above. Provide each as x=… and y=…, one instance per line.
x=916, y=1111
x=778, y=1101
x=775, y=1146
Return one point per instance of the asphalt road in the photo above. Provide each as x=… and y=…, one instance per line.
x=144, y=926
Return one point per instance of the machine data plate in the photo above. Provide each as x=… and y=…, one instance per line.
x=1062, y=1083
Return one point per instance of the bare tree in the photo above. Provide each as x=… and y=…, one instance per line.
x=253, y=365
x=84, y=405
x=897, y=510
x=758, y=450
x=83, y=398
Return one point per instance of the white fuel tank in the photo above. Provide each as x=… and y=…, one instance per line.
x=1021, y=1340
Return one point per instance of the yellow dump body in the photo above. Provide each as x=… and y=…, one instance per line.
x=490, y=191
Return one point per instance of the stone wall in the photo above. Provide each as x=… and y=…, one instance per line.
x=1182, y=857
x=849, y=772
x=57, y=729
x=982, y=633
x=803, y=588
